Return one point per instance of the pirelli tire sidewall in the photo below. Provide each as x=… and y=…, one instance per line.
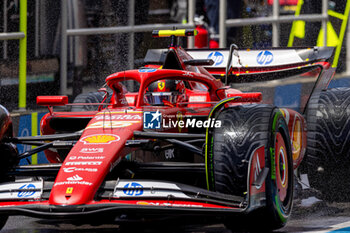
x=280, y=177
x=328, y=144
x=246, y=128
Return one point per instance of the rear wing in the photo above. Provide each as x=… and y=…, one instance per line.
x=251, y=61
x=262, y=60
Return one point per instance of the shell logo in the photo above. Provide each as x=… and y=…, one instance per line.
x=100, y=139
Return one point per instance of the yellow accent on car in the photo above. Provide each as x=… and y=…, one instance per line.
x=179, y=32
x=69, y=190
x=161, y=85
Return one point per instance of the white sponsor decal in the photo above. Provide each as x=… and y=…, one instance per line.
x=118, y=117
x=197, y=98
x=76, y=177
x=111, y=124
x=78, y=169
x=166, y=204
x=73, y=182
x=86, y=157
x=187, y=73
x=83, y=163
x=169, y=154
x=91, y=150
x=257, y=170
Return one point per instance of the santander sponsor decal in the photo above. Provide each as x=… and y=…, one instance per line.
x=76, y=179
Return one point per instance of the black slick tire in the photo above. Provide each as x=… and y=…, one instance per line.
x=244, y=129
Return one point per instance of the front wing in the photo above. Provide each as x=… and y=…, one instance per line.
x=119, y=197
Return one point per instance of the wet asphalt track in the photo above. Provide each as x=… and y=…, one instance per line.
x=320, y=217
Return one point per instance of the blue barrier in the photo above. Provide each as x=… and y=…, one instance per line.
x=29, y=125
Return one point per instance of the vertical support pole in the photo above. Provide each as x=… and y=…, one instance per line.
x=131, y=22
x=34, y=133
x=222, y=23
x=63, y=61
x=348, y=49
x=275, y=25
x=36, y=36
x=5, y=29
x=191, y=13
x=22, y=87
x=324, y=21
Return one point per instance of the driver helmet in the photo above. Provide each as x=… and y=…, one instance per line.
x=164, y=92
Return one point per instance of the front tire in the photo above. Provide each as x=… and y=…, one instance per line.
x=244, y=129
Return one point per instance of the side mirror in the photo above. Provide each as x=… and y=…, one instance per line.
x=59, y=100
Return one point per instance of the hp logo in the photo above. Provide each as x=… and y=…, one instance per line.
x=26, y=192
x=217, y=57
x=133, y=189
x=264, y=58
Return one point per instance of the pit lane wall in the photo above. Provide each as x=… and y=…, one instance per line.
x=28, y=124
x=287, y=96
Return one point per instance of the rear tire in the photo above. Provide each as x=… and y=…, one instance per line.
x=91, y=97
x=328, y=146
x=244, y=129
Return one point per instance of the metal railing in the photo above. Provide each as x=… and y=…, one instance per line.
x=11, y=35
x=131, y=28
x=275, y=20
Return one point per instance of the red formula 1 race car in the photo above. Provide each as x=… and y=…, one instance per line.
x=173, y=139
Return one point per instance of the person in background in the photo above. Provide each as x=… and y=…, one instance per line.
x=233, y=12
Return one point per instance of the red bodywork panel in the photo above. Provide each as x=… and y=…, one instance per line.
x=52, y=100
x=103, y=136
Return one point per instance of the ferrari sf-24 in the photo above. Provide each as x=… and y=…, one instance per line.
x=191, y=133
